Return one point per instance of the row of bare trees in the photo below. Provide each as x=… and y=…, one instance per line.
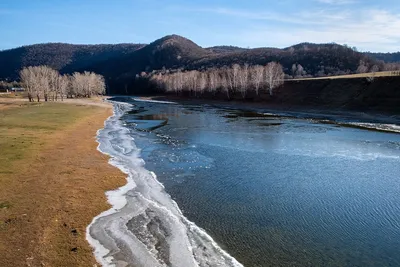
x=43, y=82
x=228, y=80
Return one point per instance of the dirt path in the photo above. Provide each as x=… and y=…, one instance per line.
x=54, y=195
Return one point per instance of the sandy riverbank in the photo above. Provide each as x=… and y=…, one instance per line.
x=52, y=179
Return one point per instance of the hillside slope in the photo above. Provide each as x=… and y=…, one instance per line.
x=64, y=57
x=173, y=52
x=387, y=57
x=121, y=63
x=169, y=52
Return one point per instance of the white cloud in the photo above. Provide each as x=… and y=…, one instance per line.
x=367, y=29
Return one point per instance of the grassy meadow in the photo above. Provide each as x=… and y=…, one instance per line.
x=52, y=181
x=26, y=128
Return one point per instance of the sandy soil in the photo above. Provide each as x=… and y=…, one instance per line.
x=55, y=194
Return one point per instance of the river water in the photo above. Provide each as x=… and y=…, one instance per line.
x=250, y=188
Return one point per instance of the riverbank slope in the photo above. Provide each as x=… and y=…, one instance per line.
x=381, y=95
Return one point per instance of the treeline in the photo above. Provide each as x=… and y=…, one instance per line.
x=5, y=86
x=228, y=80
x=364, y=67
x=43, y=82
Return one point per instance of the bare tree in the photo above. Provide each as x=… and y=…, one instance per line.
x=300, y=71
x=294, y=69
x=372, y=73
x=63, y=85
x=202, y=77
x=243, y=76
x=274, y=76
x=257, y=77
x=225, y=81
x=27, y=77
x=213, y=80
x=42, y=81
x=362, y=67
x=235, y=76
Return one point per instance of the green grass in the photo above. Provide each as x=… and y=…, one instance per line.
x=25, y=128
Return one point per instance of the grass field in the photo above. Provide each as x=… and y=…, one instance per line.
x=12, y=95
x=52, y=182
x=352, y=76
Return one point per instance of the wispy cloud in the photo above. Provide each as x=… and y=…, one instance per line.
x=368, y=29
x=316, y=17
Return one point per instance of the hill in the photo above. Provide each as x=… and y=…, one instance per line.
x=63, y=57
x=121, y=63
x=387, y=57
x=225, y=49
x=169, y=52
x=316, y=59
x=176, y=52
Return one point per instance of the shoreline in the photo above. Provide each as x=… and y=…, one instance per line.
x=115, y=236
x=373, y=121
x=57, y=188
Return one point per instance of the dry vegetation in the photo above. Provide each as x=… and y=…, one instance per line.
x=52, y=181
x=45, y=82
x=368, y=75
x=227, y=80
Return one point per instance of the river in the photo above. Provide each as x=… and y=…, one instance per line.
x=232, y=187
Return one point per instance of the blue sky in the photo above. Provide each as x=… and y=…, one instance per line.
x=368, y=25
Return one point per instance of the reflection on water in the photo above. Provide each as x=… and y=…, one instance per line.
x=277, y=191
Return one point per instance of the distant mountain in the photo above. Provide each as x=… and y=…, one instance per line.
x=169, y=52
x=64, y=57
x=173, y=52
x=121, y=63
x=387, y=57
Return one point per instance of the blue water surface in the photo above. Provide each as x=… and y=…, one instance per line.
x=277, y=191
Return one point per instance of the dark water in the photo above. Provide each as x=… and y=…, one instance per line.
x=277, y=191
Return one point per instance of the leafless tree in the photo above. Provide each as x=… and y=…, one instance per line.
x=362, y=67
x=235, y=76
x=225, y=81
x=243, y=77
x=274, y=76
x=28, y=80
x=294, y=69
x=300, y=71
x=202, y=77
x=257, y=77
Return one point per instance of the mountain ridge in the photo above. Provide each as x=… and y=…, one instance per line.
x=120, y=63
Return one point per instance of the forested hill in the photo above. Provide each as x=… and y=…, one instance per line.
x=121, y=63
x=172, y=52
x=176, y=52
x=60, y=56
x=387, y=57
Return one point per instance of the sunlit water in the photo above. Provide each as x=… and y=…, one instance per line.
x=277, y=191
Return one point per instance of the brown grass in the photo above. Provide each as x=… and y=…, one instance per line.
x=52, y=183
x=352, y=76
